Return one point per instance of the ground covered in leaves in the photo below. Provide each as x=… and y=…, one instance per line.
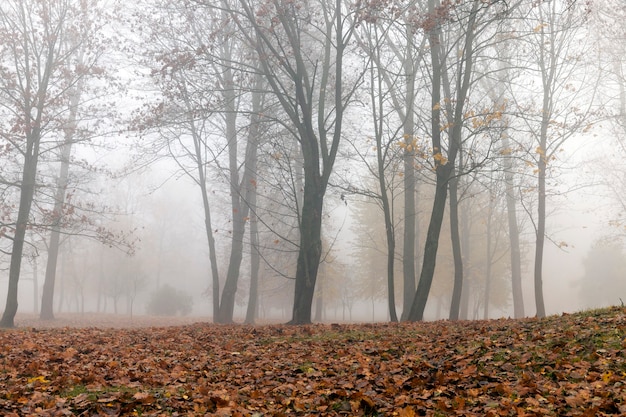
x=560, y=366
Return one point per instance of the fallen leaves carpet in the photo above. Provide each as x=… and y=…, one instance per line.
x=569, y=365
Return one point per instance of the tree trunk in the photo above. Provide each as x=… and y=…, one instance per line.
x=408, y=256
x=432, y=244
x=310, y=249
x=541, y=234
x=227, y=305
x=315, y=103
x=255, y=264
x=465, y=226
x=488, y=261
x=391, y=253
x=47, y=298
x=456, y=116
x=442, y=172
x=212, y=250
x=516, y=258
x=239, y=209
x=456, y=249
x=391, y=297
x=444, y=168
x=27, y=192
x=319, y=300
x=389, y=228
x=250, y=185
x=200, y=165
x=547, y=67
x=61, y=298
x=35, y=285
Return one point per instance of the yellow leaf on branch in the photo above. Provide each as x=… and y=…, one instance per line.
x=440, y=159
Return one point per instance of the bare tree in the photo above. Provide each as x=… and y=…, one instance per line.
x=566, y=100
x=192, y=42
x=89, y=47
x=395, y=43
x=444, y=165
x=301, y=48
x=40, y=38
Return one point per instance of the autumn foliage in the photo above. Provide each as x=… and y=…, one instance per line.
x=571, y=365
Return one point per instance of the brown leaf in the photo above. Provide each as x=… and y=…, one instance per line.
x=488, y=368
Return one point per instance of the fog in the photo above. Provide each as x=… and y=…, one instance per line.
x=171, y=249
x=173, y=164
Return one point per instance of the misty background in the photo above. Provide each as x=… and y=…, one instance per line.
x=143, y=95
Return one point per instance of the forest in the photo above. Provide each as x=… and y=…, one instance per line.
x=299, y=161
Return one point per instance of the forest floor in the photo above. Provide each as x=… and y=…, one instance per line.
x=569, y=365
x=103, y=320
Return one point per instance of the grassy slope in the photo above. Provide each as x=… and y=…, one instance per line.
x=565, y=365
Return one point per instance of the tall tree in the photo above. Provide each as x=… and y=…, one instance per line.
x=566, y=99
x=250, y=185
x=464, y=121
x=397, y=52
x=372, y=38
x=88, y=46
x=39, y=39
x=453, y=54
x=202, y=70
x=301, y=48
x=438, y=14
x=231, y=82
x=497, y=92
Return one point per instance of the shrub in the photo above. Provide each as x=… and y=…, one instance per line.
x=168, y=301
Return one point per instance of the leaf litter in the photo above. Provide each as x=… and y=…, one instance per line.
x=569, y=365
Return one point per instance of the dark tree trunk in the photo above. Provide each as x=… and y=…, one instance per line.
x=432, y=244
x=391, y=296
x=310, y=250
x=227, y=305
x=47, y=296
x=27, y=192
x=548, y=76
x=441, y=189
x=457, y=110
x=255, y=264
x=456, y=249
